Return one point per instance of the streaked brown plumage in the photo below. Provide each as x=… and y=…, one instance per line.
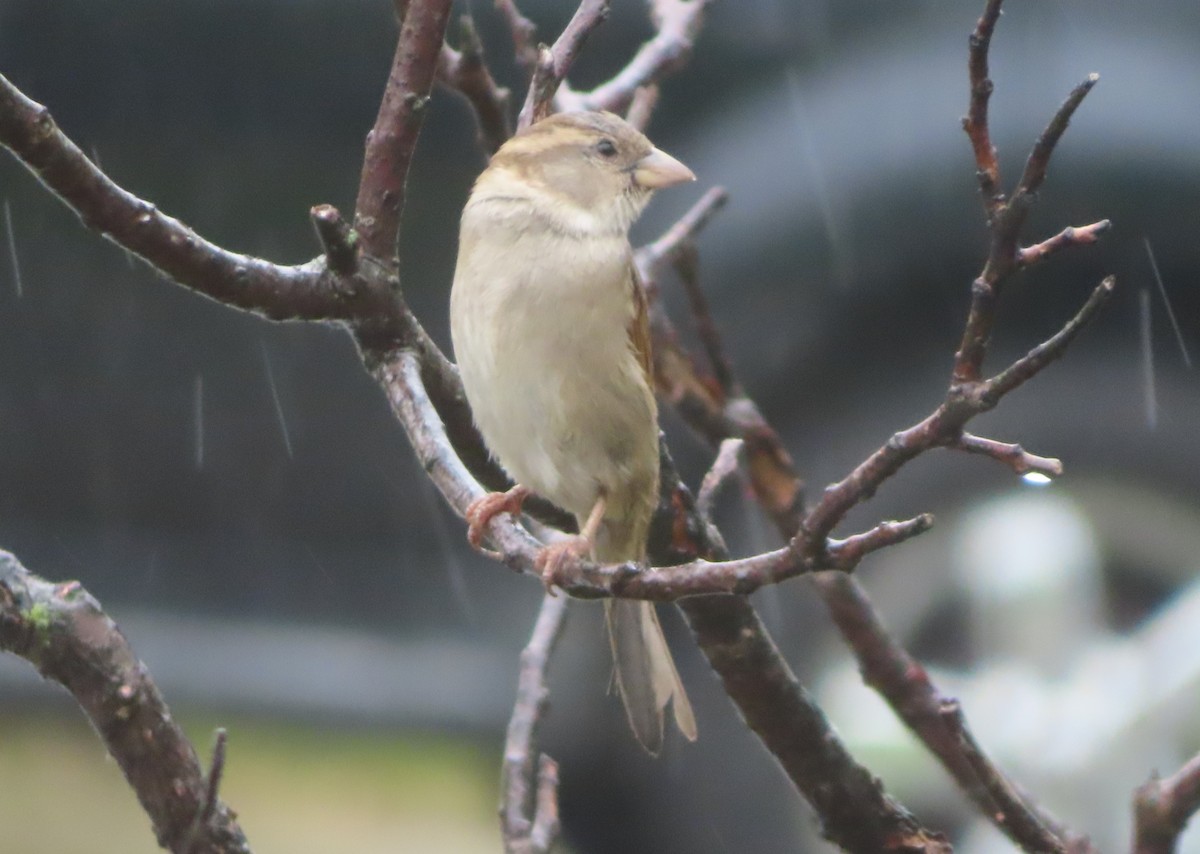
x=552, y=340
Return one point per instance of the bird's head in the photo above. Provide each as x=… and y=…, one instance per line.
x=582, y=167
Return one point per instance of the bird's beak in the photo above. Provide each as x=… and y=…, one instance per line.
x=659, y=169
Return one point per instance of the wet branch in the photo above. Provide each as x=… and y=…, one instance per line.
x=62, y=631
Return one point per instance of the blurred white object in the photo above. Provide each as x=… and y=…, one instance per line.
x=1075, y=713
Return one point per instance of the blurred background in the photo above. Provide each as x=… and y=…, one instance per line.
x=239, y=498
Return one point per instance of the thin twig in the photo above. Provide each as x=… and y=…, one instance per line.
x=683, y=230
x=1049, y=350
x=529, y=790
x=62, y=631
x=466, y=72
x=1163, y=807
x=1021, y=461
x=212, y=789
x=1039, y=157
x=677, y=26
x=704, y=406
x=1005, y=220
x=975, y=123
x=553, y=63
x=1065, y=239
x=943, y=426
x=686, y=264
x=723, y=466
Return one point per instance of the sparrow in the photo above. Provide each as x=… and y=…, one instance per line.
x=551, y=335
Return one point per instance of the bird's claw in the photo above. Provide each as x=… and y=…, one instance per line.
x=556, y=562
x=481, y=511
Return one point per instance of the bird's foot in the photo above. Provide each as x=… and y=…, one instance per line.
x=557, y=562
x=481, y=511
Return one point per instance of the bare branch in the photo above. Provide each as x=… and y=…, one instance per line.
x=848, y=553
x=393, y=139
x=62, y=631
x=686, y=264
x=723, y=466
x=944, y=426
x=466, y=72
x=1020, y=460
x=903, y=682
x=529, y=788
x=1006, y=218
x=1039, y=157
x=684, y=230
x=855, y=812
x=553, y=63
x=885, y=665
x=402, y=377
x=276, y=292
x=1065, y=239
x=707, y=408
x=678, y=24
x=1049, y=350
x=975, y=123
x=1163, y=807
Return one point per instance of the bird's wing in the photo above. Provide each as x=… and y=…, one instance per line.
x=639, y=324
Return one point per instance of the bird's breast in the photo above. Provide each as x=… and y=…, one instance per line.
x=540, y=326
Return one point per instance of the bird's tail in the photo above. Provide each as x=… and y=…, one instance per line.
x=643, y=670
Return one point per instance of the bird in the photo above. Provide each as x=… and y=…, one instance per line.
x=551, y=335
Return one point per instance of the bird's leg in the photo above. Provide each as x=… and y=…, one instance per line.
x=481, y=510
x=554, y=560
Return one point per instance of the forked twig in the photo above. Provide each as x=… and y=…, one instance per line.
x=529, y=787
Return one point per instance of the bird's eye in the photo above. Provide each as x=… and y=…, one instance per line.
x=606, y=148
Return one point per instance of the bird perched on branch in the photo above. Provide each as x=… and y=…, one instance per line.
x=552, y=340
